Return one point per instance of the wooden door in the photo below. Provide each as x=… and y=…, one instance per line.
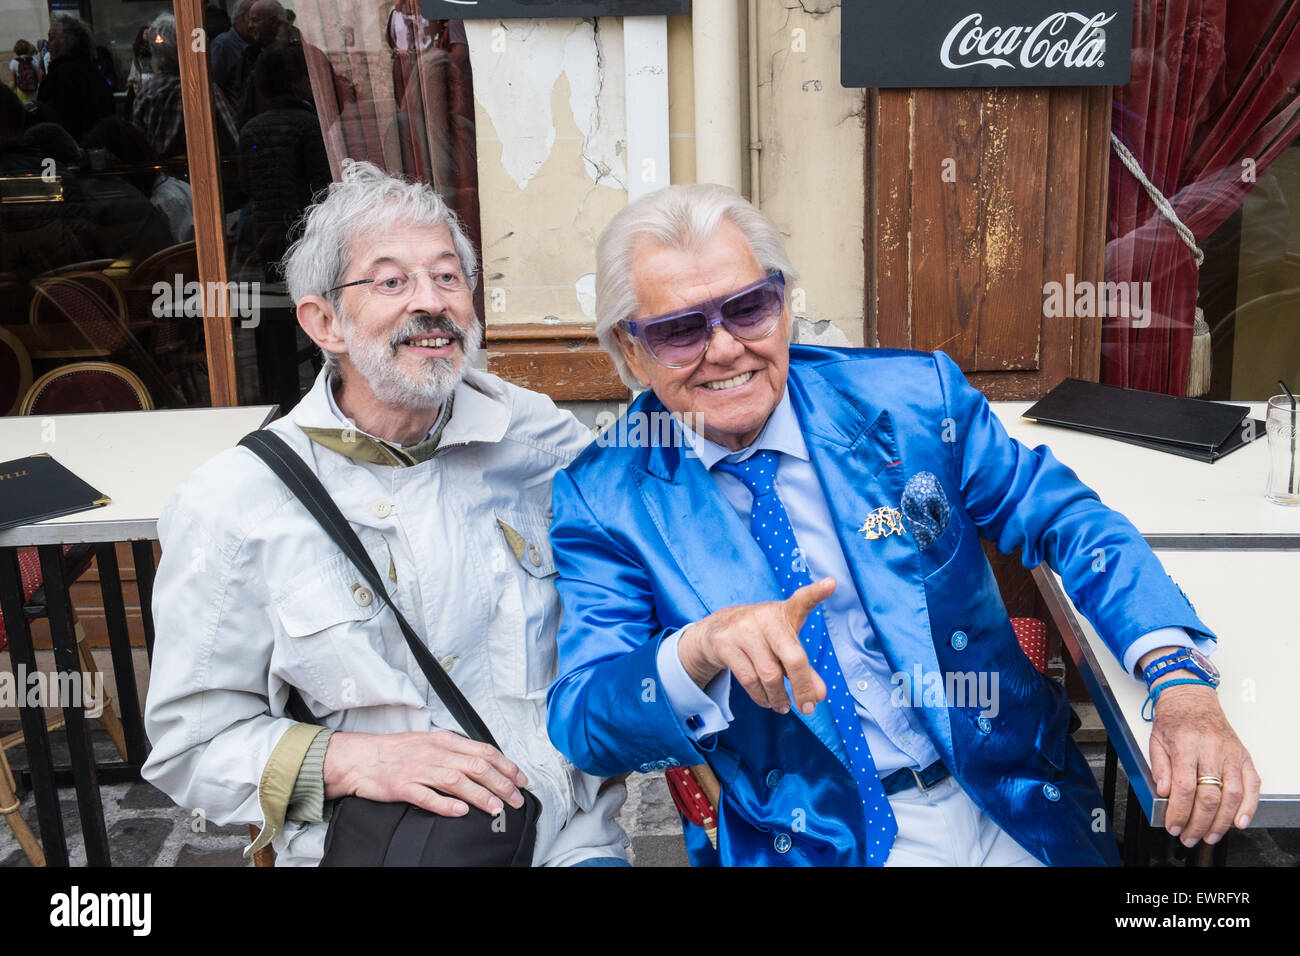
x=976, y=199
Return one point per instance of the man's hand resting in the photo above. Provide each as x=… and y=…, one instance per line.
x=1190, y=738
x=759, y=644
x=429, y=770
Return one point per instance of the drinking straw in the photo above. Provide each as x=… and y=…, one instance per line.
x=1290, y=484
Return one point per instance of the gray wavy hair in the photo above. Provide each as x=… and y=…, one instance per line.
x=366, y=201
x=161, y=37
x=681, y=217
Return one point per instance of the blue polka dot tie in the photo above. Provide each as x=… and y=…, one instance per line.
x=770, y=526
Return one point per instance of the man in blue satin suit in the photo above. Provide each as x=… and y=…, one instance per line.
x=787, y=583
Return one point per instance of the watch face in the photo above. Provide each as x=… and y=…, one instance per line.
x=1204, y=662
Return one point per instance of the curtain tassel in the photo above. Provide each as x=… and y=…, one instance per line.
x=1198, y=370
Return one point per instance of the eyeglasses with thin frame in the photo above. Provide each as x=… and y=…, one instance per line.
x=394, y=282
x=678, y=339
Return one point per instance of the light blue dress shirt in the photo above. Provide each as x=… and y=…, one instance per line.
x=896, y=737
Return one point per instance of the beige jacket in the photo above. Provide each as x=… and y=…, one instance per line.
x=252, y=597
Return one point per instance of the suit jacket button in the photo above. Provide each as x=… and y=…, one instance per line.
x=1051, y=793
x=782, y=843
x=958, y=640
x=773, y=779
x=985, y=725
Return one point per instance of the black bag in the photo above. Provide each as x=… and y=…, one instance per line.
x=368, y=833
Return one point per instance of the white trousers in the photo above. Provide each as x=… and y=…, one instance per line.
x=943, y=827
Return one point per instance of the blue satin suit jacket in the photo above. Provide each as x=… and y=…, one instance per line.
x=645, y=543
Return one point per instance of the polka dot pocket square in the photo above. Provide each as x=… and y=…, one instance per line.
x=925, y=508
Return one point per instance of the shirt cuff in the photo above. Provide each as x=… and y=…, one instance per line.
x=1162, y=637
x=700, y=712
x=278, y=778
x=307, y=801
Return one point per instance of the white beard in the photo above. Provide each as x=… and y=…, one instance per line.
x=390, y=382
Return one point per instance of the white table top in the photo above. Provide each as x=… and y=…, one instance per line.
x=136, y=458
x=1248, y=599
x=1165, y=494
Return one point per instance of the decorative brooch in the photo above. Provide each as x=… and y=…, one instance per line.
x=883, y=522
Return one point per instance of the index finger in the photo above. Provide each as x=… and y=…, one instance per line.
x=806, y=686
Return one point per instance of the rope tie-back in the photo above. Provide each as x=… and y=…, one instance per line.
x=1199, y=363
x=1157, y=197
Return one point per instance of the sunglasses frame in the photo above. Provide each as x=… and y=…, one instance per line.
x=712, y=311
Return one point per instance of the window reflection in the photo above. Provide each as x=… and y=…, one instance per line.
x=96, y=203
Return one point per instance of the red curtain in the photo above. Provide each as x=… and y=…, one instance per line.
x=398, y=94
x=1211, y=103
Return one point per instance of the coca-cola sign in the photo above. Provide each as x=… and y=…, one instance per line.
x=993, y=43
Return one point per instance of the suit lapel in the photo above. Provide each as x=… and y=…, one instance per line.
x=854, y=451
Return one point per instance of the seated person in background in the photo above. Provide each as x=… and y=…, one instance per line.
x=444, y=472
x=158, y=109
x=788, y=584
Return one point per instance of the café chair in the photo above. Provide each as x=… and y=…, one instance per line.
x=76, y=559
x=15, y=372
x=88, y=302
x=177, y=344
x=86, y=387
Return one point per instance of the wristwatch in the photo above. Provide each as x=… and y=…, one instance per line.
x=1183, y=659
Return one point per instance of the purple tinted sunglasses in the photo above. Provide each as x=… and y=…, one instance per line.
x=677, y=339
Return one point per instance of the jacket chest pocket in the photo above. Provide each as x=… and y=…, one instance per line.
x=339, y=649
x=523, y=639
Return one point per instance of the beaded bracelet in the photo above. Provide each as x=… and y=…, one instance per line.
x=1154, y=693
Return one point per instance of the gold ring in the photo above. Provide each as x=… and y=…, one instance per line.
x=1212, y=781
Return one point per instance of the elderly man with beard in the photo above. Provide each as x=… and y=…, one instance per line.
x=444, y=472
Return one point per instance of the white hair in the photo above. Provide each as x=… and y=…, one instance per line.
x=680, y=217
x=367, y=201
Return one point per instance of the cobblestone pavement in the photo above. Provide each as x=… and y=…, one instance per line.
x=146, y=829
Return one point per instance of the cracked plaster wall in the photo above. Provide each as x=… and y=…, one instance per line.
x=811, y=166
x=550, y=112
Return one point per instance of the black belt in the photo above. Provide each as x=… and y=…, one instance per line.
x=907, y=777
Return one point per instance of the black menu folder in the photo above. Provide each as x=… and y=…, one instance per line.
x=38, y=487
x=1190, y=427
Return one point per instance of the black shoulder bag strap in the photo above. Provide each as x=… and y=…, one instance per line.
x=293, y=471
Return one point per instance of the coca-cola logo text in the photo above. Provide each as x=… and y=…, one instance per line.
x=1048, y=44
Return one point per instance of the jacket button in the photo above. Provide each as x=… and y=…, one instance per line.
x=958, y=640
x=773, y=779
x=382, y=509
x=448, y=662
x=782, y=843
x=985, y=725
x=1051, y=793
x=362, y=595
x=535, y=557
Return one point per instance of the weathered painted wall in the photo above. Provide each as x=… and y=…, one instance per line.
x=551, y=160
x=552, y=123
x=810, y=172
